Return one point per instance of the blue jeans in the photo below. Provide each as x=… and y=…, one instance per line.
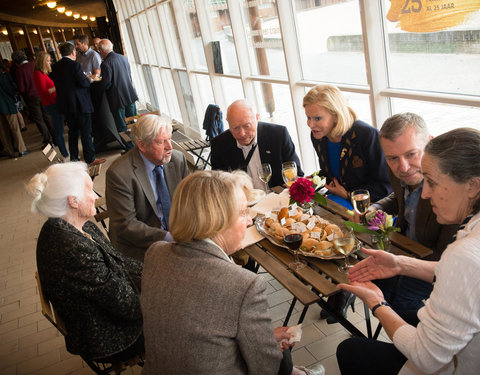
x=58, y=127
x=80, y=123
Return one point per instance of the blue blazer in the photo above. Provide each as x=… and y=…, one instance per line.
x=274, y=144
x=362, y=162
x=73, y=88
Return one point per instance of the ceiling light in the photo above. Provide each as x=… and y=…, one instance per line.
x=51, y=4
x=61, y=9
x=92, y=19
x=21, y=32
x=35, y=32
x=48, y=31
x=76, y=16
x=84, y=18
x=5, y=32
x=68, y=13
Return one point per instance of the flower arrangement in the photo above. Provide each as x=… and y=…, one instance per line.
x=304, y=191
x=379, y=224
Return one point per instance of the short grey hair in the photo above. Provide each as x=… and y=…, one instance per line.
x=50, y=190
x=395, y=126
x=147, y=128
x=457, y=153
x=105, y=46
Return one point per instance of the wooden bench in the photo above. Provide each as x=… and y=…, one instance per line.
x=197, y=148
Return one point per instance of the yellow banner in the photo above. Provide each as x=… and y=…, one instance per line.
x=421, y=16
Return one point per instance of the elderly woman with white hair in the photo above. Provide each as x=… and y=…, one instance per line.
x=202, y=313
x=93, y=287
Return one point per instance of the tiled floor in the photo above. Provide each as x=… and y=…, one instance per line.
x=31, y=345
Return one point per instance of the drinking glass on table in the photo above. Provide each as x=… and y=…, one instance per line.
x=293, y=240
x=289, y=172
x=265, y=174
x=360, y=201
x=345, y=245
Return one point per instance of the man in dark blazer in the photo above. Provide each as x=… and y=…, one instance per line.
x=403, y=138
x=136, y=217
x=272, y=144
x=117, y=78
x=73, y=100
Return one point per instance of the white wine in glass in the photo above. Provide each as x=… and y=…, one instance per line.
x=345, y=245
x=265, y=174
x=360, y=200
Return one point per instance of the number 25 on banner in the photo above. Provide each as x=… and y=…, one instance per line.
x=422, y=16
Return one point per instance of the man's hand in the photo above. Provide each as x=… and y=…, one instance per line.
x=379, y=265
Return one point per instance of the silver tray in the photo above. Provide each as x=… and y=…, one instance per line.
x=260, y=225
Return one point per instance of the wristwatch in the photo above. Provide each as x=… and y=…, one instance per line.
x=374, y=308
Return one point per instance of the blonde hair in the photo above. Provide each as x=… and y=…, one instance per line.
x=331, y=98
x=204, y=204
x=50, y=190
x=147, y=127
x=41, y=62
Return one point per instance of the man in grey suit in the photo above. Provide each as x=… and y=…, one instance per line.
x=139, y=187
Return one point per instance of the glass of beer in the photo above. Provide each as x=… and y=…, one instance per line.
x=289, y=172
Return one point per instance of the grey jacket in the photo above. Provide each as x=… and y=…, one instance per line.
x=204, y=315
x=134, y=224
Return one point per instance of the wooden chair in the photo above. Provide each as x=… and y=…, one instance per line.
x=100, y=368
x=102, y=213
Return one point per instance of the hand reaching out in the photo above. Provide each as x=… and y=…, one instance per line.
x=368, y=292
x=379, y=265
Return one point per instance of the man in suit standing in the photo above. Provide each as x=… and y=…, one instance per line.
x=117, y=77
x=139, y=187
x=73, y=100
x=249, y=143
x=403, y=138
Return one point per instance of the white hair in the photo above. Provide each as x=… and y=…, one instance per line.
x=147, y=128
x=50, y=190
x=105, y=45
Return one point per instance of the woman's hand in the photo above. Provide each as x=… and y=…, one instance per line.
x=336, y=188
x=368, y=292
x=282, y=336
x=379, y=265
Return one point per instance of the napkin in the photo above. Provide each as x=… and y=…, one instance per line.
x=252, y=236
x=272, y=201
x=296, y=331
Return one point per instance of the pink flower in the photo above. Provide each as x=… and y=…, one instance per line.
x=302, y=190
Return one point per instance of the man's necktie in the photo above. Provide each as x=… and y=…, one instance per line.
x=163, y=196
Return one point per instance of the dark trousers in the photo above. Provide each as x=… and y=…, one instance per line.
x=80, y=123
x=120, y=114
x=39, y=117
x=405, y=295
x=362, y=356
x=58, y=127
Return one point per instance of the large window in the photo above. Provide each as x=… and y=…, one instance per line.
x=330, y=41
x=386, y=57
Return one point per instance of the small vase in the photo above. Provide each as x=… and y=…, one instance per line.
x=307, y=208
x=381, y=241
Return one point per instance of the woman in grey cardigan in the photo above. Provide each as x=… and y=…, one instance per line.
x=202, y=313
x=90, y=284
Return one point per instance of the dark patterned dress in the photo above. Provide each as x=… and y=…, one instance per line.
x=92, y=287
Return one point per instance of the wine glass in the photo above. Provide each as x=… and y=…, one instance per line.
x=345, y=245
x=293, y=240
x=265, y=173
x=360, y=201
x=289, y=172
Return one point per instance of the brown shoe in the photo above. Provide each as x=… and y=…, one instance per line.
x=97, y=161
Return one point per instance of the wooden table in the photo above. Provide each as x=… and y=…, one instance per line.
x=317, y=282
